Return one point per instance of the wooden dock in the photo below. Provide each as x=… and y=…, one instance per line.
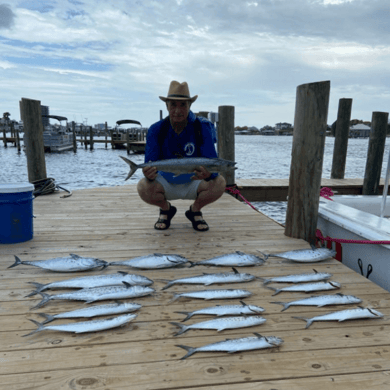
x=276, y=190
x=114, y=224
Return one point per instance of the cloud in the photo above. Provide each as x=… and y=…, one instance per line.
x=6, y=17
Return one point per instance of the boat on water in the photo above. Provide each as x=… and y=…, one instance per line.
x=136, y=136
x=56, y=138
x=362, y=218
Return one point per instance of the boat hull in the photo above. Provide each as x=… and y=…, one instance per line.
x=340, y=221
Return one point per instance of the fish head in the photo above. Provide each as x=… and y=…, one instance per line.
x=353, y=299
x=276, y=341
x=255, y=309
x=247, y=277
x=375, y=312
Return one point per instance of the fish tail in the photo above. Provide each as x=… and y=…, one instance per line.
x=167, y=286
x=175, y=298
x=277, y=291
x=133, y=167
x=264, y=255
x=183, y=328
x=40, y=328
x=309, y=321
x=190, y=351
x=285, y=305
x=46, y=298
x=17, y=262
x=192, y=263
x=48, y=317
x=187, y=313
x=105, y=264
x=265, y=281
x=40, y=287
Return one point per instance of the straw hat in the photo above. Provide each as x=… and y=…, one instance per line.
x=178, y=91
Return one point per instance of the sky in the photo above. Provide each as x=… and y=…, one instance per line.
x=97, y=61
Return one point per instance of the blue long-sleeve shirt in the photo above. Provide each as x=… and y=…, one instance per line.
x=184, y=144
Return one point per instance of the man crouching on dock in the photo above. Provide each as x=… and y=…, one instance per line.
x=181, y=134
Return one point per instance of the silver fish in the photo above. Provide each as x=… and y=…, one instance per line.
x=212, y=294
x=154, y=261
x=94, y=311
x=307, y=287
x=94, y=281
x=72, y=263
x=179, y=166
x=224, y=310
x=87, y=326
x=220, y=324
x=236, y=345
x=322, y=300
x=236, y=259
x=98, y=294
x=209, y=279
x=344, y=315
x=298, y=278
x=304, y=255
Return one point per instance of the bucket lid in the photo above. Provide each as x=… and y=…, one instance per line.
x=11, y=188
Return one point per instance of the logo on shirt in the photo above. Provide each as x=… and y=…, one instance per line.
x=189, y=148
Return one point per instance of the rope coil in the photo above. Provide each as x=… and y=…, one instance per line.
x=48, y=186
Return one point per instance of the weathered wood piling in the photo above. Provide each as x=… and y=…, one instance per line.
x=30, y=112
x=310, y=123
x=376, y=148
x=226, y=139
x=341, y=139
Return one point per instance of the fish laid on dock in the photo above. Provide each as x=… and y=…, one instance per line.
x=236, y=345
x=298, y=278
x=307, y=287
x=86, y=326
x=94, y=281
x=71, y=263
x=312, y=255
x=224, y=310
x=344, y=315
x=236, y=259
x=183, y=165
x=322, y=300
x=94, y=311
x=220, y=324
x=98, y=294
x=154, y=261
x=209, y=279
x=212, y=294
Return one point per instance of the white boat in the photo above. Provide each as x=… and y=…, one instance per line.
x=57, y=138
x=358, y=217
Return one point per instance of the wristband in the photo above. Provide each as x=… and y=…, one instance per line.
x=209, y=178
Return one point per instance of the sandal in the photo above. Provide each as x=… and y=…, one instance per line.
x=195, y=224
x=170, y=214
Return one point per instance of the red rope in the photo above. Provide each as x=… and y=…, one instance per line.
x=326, y=192
x=235, y=191
x=343, y=241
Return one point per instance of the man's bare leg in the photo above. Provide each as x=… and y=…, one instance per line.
x=208, y=192
x=152, y=192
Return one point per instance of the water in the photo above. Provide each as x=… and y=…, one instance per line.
x=257, y=157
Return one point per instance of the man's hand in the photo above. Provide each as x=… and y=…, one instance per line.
x=201, y=173
x=150, y=173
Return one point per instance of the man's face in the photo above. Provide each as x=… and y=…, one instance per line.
x=178, y=110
